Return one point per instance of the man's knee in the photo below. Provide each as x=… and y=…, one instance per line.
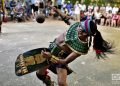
x=62, y=83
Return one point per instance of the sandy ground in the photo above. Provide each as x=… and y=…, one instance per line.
x=20, y=37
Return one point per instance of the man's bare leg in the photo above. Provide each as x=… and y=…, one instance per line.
x=62, y=76
x=42, y=75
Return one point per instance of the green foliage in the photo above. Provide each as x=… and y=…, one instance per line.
x=87, y=2
x=100, y=2
x=73, y=1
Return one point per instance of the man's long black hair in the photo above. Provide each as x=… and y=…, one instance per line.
x=100, y=45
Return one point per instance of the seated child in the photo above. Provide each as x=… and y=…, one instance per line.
x=109, y=17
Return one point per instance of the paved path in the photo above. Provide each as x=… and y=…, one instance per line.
x=20, y=37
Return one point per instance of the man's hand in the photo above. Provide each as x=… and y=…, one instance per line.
x=46, y=55
x=53, y=8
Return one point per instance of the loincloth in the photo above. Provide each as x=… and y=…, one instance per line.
x=58, y=52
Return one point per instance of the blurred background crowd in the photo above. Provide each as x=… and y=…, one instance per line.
x=102, y=13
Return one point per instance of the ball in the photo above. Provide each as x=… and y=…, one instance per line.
x=40, y=18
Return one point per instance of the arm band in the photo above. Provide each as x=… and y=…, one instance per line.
x=54, y=59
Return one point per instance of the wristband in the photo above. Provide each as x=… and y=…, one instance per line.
x=54, y=59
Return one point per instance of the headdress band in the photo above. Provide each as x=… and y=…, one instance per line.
x=86, y=26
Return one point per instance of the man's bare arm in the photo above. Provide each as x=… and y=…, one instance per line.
x=64, y=17
x=71, y=57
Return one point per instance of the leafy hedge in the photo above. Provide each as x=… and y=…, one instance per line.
x=100, y=2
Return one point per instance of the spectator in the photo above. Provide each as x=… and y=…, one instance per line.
x=41, y=6
x=19, y=15
x=37, y=2
x=12, y=4
x=1, y=16
x=108, y=8
x=18, y=4
x=13, y=13
x=28, y=9
x=83, y=7
x=119, y=9
x=115, y=9
x=109, y=17
x=71, y=13
x=103, y=13
x=12, y=9
x=90, y=7
x=90, y=14
x=83, y=17
x=64, y=7
x=59, y=4
x=77, y=11
x=7, y=6
x=34, y=7
x=47, y=8
x=118, y=21
x=102, y=9
x=96, y=8
x=69, y=6
x=97, y=17
x=103, y=18
x=114, y=20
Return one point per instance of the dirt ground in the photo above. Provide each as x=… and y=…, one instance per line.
x=88, y=71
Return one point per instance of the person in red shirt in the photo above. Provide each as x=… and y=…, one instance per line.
x=118, y=20
x=114, y=20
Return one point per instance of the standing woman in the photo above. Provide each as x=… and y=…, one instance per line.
x=77, y=11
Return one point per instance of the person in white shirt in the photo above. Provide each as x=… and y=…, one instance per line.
x=115, y=9
x=77, y=11
x=83, y=7
x=98, y=17
x=90, y=7
x=108, y=8
x=34, y=6
x=102, y=9
x=96, y=8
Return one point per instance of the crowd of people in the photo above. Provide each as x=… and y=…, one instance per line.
x=23, y=10
x=103, y=15
x=27, y=10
